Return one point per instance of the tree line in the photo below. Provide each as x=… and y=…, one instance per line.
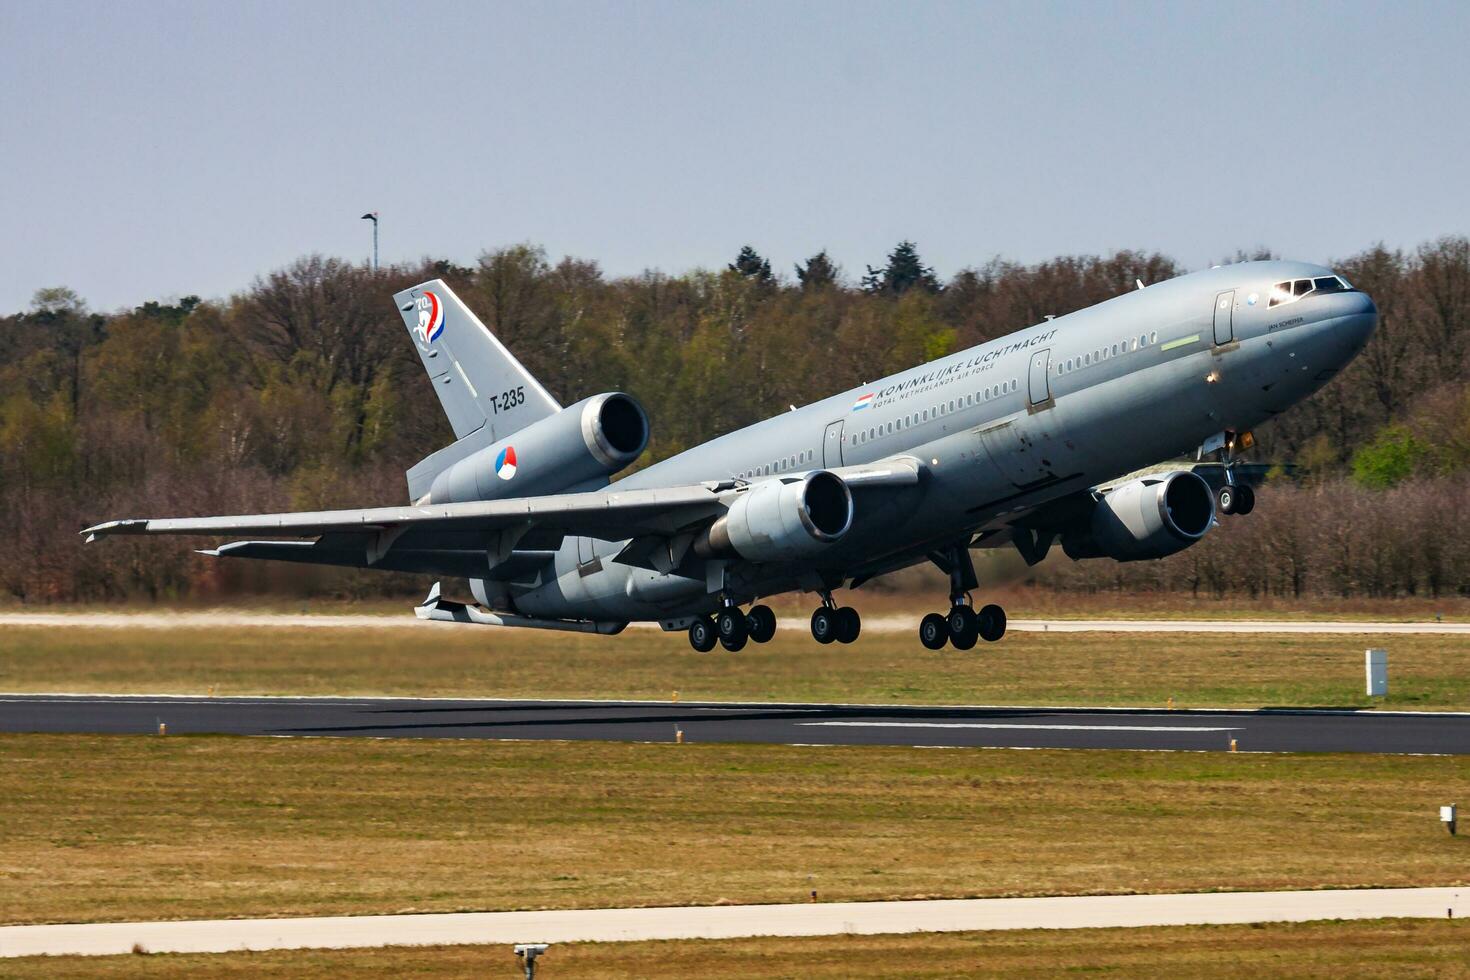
x=302, y=391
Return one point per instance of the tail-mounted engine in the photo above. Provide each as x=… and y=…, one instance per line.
x=583, y=443
x=779, y=521
x=1148, y=518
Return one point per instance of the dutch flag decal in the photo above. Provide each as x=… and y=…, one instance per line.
x=505, y=463
x=863, y=402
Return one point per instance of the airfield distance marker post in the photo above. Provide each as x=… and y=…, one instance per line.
x=1376, y=662
x=527, y=953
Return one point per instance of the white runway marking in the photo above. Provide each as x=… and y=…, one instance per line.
x=1026, y=727
x=729, y=921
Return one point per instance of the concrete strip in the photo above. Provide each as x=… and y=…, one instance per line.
x=877, y=624
x=1002, y=726
x=727, y=922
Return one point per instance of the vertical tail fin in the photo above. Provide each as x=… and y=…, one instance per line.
x=480, y=384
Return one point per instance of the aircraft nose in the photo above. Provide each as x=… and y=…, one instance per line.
x=1363, y=318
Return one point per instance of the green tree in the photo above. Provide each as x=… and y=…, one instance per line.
x=818, y=273
x=751, y=265
x=1391, y=458
x=904, y=271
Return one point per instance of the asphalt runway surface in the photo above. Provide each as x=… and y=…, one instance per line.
x=1269, y=730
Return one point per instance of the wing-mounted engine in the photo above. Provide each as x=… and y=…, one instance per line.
x=1151, y=517
x=581, y=444
x=776, y=520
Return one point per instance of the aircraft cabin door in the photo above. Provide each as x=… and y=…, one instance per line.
x=832, y=444
x=1039, y=382
x=1224, y=318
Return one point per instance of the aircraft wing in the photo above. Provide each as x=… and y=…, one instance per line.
x=609, y=515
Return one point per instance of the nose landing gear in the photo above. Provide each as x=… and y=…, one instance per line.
x=1232, y=497
x=962, y=626
x=1235, y=498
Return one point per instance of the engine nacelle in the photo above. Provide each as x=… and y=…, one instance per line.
x=587, y=441
x=781, y=521
x=1148, y=518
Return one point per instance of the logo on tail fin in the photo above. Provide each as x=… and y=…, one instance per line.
x=505, y=463
x=431, y=317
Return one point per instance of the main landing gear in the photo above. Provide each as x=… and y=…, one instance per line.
x=962, y=625
x=831, y=622
x=731, y=628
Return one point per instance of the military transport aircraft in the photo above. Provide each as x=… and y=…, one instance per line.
x=1011, y=443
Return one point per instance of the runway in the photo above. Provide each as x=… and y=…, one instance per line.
x=728, y=921
x=1269, y=730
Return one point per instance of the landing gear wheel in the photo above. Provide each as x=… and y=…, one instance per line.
x=1226, y=499
x=760, y=623
x=702, y=635
x=730, y=624
x=824, y=625
x=934, y=631
x=849, y=624
x=1245, y=499
x=992, y=621
x=963, y=628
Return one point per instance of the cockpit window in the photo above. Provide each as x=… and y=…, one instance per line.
x=1286, y=292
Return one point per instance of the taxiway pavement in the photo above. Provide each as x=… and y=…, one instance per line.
x=728, y=922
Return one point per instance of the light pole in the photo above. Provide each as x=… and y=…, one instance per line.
x=373, y=217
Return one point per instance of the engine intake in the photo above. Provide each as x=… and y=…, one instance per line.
x=1149, y=518
x=781, y=521
x=585, y=442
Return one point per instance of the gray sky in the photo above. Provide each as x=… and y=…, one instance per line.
x=157, y=149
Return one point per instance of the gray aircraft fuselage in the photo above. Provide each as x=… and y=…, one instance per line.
x=997, y=430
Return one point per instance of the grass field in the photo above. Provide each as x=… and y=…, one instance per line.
x=1391, y=948
x=1426, y=672
x=919, y=591
x=124, y=827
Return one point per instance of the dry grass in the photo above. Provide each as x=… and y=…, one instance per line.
x=1025, y=668
x=112, y=828
x=1391, y=948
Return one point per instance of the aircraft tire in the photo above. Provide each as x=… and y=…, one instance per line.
x=730, y=624
x=1226, y=499
x=961, y=620
x=849, y=624
x=1245, y=500
x=760, y=623
x=824, y=625
x=934, y=631
x=702, y=636
x=992, y=622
